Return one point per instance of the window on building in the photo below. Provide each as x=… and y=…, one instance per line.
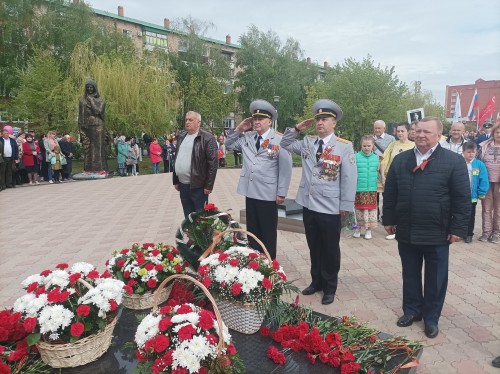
x=228, y=123
x=127, y=33
x=156, y=40
x=183, y=45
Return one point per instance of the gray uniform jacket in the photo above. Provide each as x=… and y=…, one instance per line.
x=317, y=193
x=264, y=174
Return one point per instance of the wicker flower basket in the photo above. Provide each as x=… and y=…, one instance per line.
x=80, y=353
x=245, y=318
x=140, y=302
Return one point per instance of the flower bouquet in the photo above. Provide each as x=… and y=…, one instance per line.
x=143, y=268
x=73, y=310
x=196, y=233
x=244, y=282
x=16, y=354
x=185, y=339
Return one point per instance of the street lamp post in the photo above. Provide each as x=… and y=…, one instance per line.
x=276, y=100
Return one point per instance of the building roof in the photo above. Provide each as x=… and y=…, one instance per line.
x=158, y=28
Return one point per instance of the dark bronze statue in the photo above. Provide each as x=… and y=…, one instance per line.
x=91, y=125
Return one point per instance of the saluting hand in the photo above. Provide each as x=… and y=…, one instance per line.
x=305, y=124
x=245, y=125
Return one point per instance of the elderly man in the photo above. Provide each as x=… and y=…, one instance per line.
x=266, y=172
x=382, y=140
x=195, y=165
x=326, y=191
x=10, y=156
x=456, y=140
x=427, y=198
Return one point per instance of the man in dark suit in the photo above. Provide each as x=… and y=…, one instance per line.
x=10, y=155
x=427, y=198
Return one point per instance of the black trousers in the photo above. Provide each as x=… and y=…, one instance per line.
x=323, y=237
x=6, y=173
x=262, y=221
x=192, y=200
x=472, y=219
x=428, y=303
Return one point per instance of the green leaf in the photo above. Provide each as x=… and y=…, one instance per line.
x=74, y=339
x=88, y=326
x=139, y=290
x=101, y=324
x=33, y=338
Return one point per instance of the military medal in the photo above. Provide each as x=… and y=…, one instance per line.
x=329, y=164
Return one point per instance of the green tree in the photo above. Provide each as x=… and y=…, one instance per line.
x=365, y=92
x=271, y=68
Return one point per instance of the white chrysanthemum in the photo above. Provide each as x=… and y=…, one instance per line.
x=192, y=306
x=225, y=332
x=58, y=278
x=186, y=359
x=54, y=336
x=29, y=304
x=231, y=273
x=54, y=317
x=245, y=251
x=147, y=329
x=83, y=268
x=32, y=278
x=249, y=279
x=199, y=347
x=220, y=274
x=190, y=317
x=176, y=328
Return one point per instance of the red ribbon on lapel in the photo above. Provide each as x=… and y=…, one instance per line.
x=422, y=165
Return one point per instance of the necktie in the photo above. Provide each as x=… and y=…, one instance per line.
x=257, y=145
x=320, y=150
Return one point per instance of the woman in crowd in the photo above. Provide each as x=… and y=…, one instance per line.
x=489, y=153
x=155, y=153
x=31, y=150
x=394, y=149
x=168, y=155
x=137, y=152
x=49, y=144
x=42, y=165
x=121, y=157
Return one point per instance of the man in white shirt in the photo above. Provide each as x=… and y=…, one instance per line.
x=456, y=139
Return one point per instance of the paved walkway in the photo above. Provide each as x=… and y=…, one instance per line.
x=84, y=221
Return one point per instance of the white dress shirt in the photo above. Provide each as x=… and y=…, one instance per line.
x=421, y=157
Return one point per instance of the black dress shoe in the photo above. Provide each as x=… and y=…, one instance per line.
x=431, y=331
x=327, y=299
x=310, y=290
x=468, y=239
x=496, y=362
x=407, y=320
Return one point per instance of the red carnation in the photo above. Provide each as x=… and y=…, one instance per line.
x=113, y=305
x=184, y=309
x=140, y=254
x=159, y=267
x=152, y=283
x=140, y=260
x=253, y=265
x=32, y=287
x=148, y=245
x=131, y=282
x=267, y=284
x=186, y=332
x=206, y=282
x=350, y=368
x=62, y=266
x=120, y=263
x=275, y=355
x=203, y=270
x=74, y=277
x=333, y=360
x=4, y=334
x=348, y=356
x=166, y=309
x=45, y=273
x=124, y=251
x=180, y=370
x=212, y=339
x=106, y=274
x=170, y=257
x=334, y=340
x=231, y=350
x=175, y=251
x=149, y=266
x=140, y=357
x=128, y=289
x=211, y=208
x=223, y=257
x=276, y=265
x=253, y=255
x=206, y=321
x=164, y=324
x=29, y=324
x=161, y=343
x=236, y=289
x=94, y=274
x=203, y=370
x=126, y=274
x=167, y=357
x=83, y=310
x=178, y=268
x=77, y=329
x=155, y=252
x=265, y=331
x=40, y=291
x=234, y=262
x=311, y=358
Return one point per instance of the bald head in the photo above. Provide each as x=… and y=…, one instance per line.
x=378, y=127
x=457, y=132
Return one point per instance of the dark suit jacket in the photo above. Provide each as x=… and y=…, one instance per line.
x=428, y=205
x=481, y=138
x=15, y=149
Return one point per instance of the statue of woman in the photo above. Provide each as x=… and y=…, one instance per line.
x=91, y=125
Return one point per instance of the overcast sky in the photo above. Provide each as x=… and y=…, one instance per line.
x=437, y=42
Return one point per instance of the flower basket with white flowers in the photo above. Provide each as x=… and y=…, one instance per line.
x=75, y=310
x=244, y=283
x=142, y=268
x=185, y=339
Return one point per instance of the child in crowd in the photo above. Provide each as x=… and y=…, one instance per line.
x=365, y=202
x=56, y=162
x=478, y=178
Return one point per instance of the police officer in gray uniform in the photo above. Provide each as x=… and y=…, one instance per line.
x=326, y=192
x=266, y=172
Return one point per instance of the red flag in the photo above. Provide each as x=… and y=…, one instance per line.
x=487, y=110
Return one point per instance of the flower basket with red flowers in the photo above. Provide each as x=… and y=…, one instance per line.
x=16, y=354
x=75, y=311
x=185, y=339
x=196, y=233
x=142, y=268
x=244, y=282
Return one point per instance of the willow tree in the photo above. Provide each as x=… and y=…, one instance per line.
x=139, y=92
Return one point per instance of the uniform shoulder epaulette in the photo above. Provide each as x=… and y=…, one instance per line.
x=311, y=136
x=345, y=141
x=278, y=133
